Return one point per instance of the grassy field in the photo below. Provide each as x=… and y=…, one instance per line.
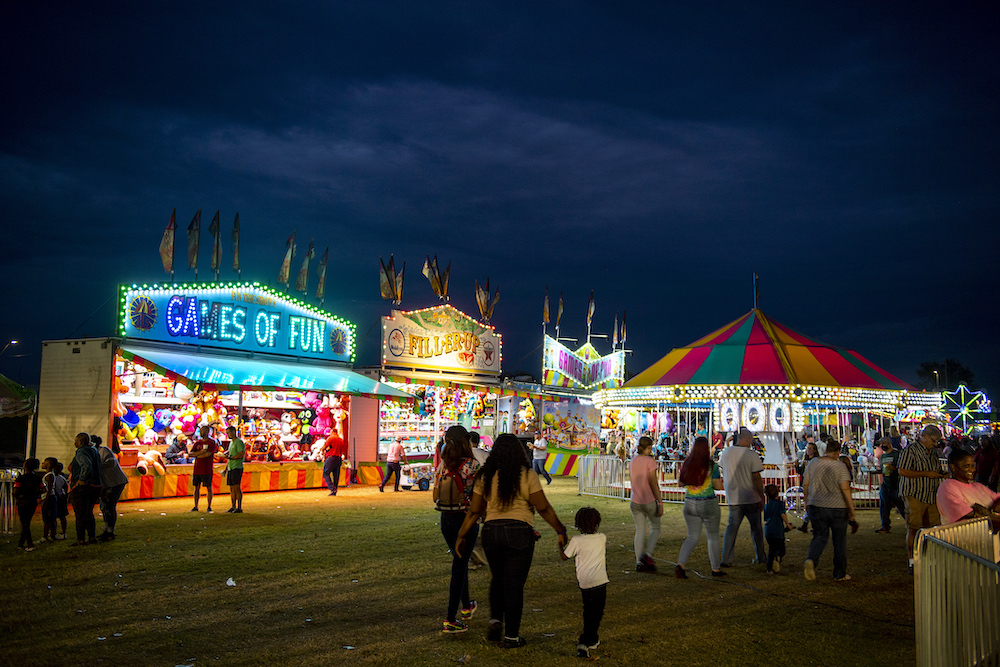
x=362, y=579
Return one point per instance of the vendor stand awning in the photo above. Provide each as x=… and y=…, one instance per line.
x=15, y=400
x=222, y=372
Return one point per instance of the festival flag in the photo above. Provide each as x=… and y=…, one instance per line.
x=756, y=292
x=399, y=283
x=483, y=299
x=444, y=281
x=545, y=307
x=559, y=311
x=590, y=309
x=301, y=282
x=286, y=264
x=386, y=282
x=194, y=236
x=321, y=273
x=167, y=244
x=236, y=243
x=623, y=328
x=214, y=230
x=437, y=279
x=614, y=341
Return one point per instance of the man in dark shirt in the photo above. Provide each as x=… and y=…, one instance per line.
x=176, y=452
x=888, y=493
x=203, y=453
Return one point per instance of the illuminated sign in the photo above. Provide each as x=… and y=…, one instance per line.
x=240, y=316
x=583, y=369
x=440, y=338
x=756, y=415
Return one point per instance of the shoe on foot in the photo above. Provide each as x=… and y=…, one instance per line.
x=594, y=645
x=804, y=528
x=513, y=642
x=31, y=548
x=230, y=510
x=381, y=490
x=210, y=511
x=92, y=540
x=846, y=577
x=882, y=529
x=776, y=565
x=454, y=627
x=470, y=611
x=650, y=564
x=494, y=631
x=719, y=573
x=810, y=570
x=194, y=509
x=238, y=511
x=680, y=572
x=582, y=651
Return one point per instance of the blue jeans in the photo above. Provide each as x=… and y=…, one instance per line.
x=826, y=520
x=509, y=547
x=539, y=467
x=753, y=516
x=390, y=468
x=888, y=497
x=699, y=513
x=458, y=589
x=331, y=472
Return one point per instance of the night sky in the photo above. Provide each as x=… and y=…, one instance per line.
x=657, y=153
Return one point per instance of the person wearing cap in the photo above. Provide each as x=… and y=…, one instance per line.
x=539, y=451
x=741, y=476
x=888, y=492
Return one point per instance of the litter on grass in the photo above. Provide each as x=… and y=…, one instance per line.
x=230, y=582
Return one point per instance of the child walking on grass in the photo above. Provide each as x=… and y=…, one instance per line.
x=591, y=571
x=775, y=524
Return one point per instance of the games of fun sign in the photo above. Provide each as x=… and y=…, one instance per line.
x=440, y=338
x=582, y=369
x=244, y=316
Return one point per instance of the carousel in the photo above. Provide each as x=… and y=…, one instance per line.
x=775, y=381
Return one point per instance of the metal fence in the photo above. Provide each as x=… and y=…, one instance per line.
x=608, y=477
x=8, y=511
x=957, y=595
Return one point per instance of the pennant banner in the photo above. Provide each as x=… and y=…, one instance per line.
x=321, y=288
x=194, y=236
x=167, y=243
x=236, y=243
x=213, y=229
x=286, y=264
x=301, y=282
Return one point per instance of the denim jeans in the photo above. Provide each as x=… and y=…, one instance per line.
x=458, y=589
x=753, y=516
x=701, y=513
x=539, y=466
x=594, y=600
x=83, y=499
x=109, y=506
x=390, y=468
x=643, y=514
x=509, y=546
x=888, y=497
x=826, y=520
x=775, y=549
x=331, y=472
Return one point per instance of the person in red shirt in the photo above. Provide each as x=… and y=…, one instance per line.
x=334, y=451
x=203, y=452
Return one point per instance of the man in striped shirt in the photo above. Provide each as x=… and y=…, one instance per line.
x=920, y=475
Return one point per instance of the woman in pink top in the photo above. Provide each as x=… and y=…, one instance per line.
x=960, y=498
x=646, y=505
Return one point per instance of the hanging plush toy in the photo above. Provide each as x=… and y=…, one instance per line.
x=151, y=461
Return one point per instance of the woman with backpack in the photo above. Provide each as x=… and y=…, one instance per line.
x=453, y=481
x=508, y=492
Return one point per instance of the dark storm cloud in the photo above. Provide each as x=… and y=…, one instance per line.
x=658, y=154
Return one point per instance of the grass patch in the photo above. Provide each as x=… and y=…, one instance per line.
x=369, y=570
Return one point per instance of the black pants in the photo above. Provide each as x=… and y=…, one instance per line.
x=83, y=499
x=458, y=588
x=390, y=468
x=509, y=547
x=593, y=611
x=775, y=549
x=24, y=512
x=888, y=497
x=331, y=472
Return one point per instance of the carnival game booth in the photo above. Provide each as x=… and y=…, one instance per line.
x=759, y=374
x=448, y=365
x=207, y=354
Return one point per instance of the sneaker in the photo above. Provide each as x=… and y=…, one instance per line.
x=210, y=511
x=810, y=570
x=680, y=572
x=468, y=613
x=194, y=509
x=846, y=577
x=649, y=563
x=594, y=645
x=230, y=510
x=454, y=627
x=238, y=511
x=720, y=573
x=29, y=548
x=513, y=642
x=582, y=651
x=776, y=565
x=494, y=632
x=882, y=529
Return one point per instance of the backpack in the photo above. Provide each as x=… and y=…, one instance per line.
x=449, y=491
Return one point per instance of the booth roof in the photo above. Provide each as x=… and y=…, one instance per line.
x=218, y=372
x=15, y=400
x=755, y=350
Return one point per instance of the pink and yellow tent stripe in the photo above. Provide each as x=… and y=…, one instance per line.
x=256, y=477
x=562, y=464
x=757, y=350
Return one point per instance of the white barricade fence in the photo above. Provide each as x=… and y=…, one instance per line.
x=608, y=477
x=8, y=510
x=957, y=595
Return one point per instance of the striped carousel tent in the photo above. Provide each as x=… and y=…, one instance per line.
x=756, y=350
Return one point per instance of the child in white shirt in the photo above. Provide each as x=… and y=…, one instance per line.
x=591, y=571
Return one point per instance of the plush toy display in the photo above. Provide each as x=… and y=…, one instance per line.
x=151, y=460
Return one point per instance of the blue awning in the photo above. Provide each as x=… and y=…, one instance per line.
x=219, y=372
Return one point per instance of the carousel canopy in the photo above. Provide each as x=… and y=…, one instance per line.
x=755, y=350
